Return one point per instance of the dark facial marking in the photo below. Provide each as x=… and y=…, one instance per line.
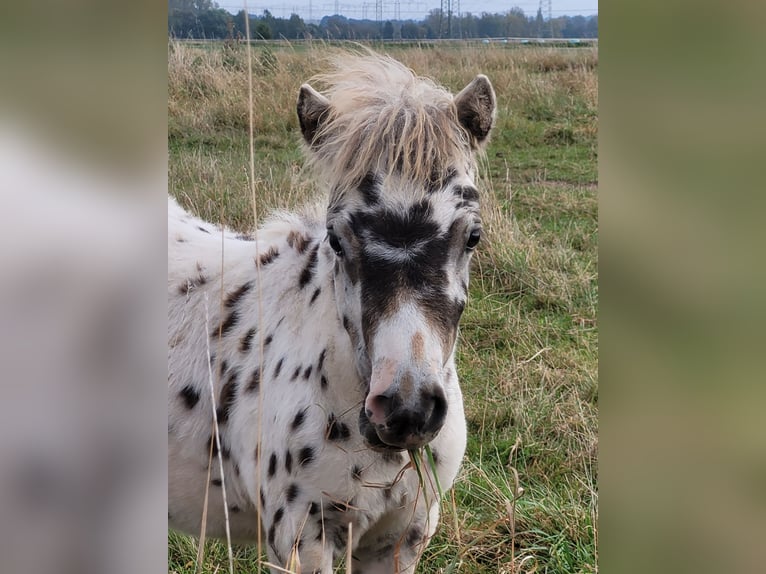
x=268, y=340
x=296, y=372
x=190, y=396
x=368, y=187
x=255, y=381
x=234, y=508
x=272, y=465
x=323, y=382
x=466, y=193
x=298, y=420
x=288, y=461
x=268, y=256
x=356, y=472
x=234, y=297
x=202, y=229
x=263, y=500
x=216, y=482
x=314, y=508
x=384, y=280
x=246, y=342
x=308, y=271
x=315, y=295
x=272, y=535
x=292, y=492
x=306, y=455
x=307, y=372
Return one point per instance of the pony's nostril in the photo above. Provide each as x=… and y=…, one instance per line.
x=379, y=408
x=435, y=409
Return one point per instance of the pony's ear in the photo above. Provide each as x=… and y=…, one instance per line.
x=312, y=109
x=476, y=109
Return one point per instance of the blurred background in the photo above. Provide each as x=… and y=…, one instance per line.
x=82, y=301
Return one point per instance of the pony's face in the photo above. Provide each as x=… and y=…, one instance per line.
x=402, y=253
x=401, y=281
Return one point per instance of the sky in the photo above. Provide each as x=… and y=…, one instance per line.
x=414, y=9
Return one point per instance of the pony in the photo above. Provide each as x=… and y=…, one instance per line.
x=315, y=360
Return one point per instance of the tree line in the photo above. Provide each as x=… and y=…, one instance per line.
x=204, y=19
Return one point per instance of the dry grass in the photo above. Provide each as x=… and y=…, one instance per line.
x=529, y=336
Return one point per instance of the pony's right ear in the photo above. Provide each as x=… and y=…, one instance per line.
x=312, y=110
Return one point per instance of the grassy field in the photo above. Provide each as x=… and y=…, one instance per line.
x=528, y=353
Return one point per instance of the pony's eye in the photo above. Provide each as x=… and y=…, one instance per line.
x=473, y=239
x=334, y=242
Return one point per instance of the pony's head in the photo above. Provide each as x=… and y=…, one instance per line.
x=398, y=154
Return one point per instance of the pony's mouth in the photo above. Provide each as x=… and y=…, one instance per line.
x=372, y=436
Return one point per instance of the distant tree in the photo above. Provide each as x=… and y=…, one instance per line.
x=432, y=23
x=591, y=28
x=214, y=24
x=388, y=30
x=516, y=23
x=296, y=27
x=409, y=30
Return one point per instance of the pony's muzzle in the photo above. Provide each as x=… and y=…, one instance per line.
x=404, y=422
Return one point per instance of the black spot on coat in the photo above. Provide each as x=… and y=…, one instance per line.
x=246, y=342
x=234, y=297
x=306, y=455
x=300, y=416
x=190, y=396
x=255, y=381
x=268, y=257
x=228, y=397
x=320, y=363
x=308, y=271
x=228, y=324
x=337, y=430
x=292, y=492
x=278, y=368
x=272, y=465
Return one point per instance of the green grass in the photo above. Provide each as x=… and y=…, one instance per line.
x=528, y=353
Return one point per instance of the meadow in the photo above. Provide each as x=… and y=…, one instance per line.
x=526, y=498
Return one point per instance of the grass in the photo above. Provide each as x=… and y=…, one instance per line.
x=526, y=498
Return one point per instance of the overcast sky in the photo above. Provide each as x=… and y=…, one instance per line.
x=415, y=9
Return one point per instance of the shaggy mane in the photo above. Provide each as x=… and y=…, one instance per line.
x=385, y=119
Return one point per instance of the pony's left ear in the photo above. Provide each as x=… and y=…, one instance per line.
x=312, y=110
x=476, y=109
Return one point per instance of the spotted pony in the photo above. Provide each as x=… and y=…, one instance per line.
x=323, y=345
